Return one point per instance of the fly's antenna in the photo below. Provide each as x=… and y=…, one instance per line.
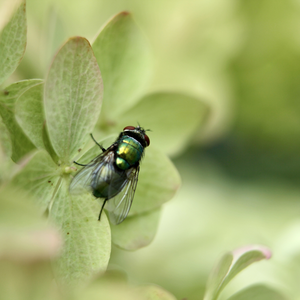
x=139, y=127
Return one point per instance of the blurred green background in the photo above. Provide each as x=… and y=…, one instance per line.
x=241, y=171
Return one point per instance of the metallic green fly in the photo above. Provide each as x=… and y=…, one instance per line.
x=113, y=174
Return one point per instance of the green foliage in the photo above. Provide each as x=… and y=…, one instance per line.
x=29, y=113
x=73, y=95
x=230, y=265
x=12, y=37
x=57, y=118
x=87, y=242
x=136, y=231
x=175, y=114
x=40, y=176
x=125, y=63
x=257, y=292
x=27, y=243
x=20, y=143
x=156, y=293
x=22, y=229
x=45, y=126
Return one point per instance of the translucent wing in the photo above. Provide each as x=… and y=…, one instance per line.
x=83, y=179
x=119, y=206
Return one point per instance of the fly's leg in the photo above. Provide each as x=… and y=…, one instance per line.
x=103, y=149
x=101, y=209
x=79, y=164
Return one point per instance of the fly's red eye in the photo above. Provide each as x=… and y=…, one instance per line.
x=129, y=128
x=147, y=139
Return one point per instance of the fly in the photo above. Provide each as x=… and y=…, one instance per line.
x=113, y=174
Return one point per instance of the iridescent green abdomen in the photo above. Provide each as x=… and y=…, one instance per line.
x=129, y=152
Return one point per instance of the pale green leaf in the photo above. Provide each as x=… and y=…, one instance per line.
x=257, y=292
x=11, y=93
x=12, y=37
x=26, y=281
x=158, y=182
x=153, y=292
x=73, y=95
x=125, y=63
x=113, y=274
x=24, y=235
x=39, y=177
x=87, y=242
x=5, y=144
x=27, y=242
x=245, y=256
x=230, y=265
x=29, y=114
x=173, y=119
x=137, y=231
x=216, y=278
x=48, y=145
x=21, y=144
x=114, y=287
x=110, y=291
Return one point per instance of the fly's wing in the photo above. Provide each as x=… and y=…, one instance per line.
x=119, y=206
x=83, y=179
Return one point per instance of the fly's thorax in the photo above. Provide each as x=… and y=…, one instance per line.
x=129, y=152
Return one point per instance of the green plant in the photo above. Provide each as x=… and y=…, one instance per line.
x=48, y=124
x=230, y=265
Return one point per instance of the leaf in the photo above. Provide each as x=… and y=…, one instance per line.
x=32, y=281
x=110, y=291
x=158, y=182
x=48, y=145
x=152, y=292
x=24, y=235
x=230, y=265
x=113, y=274
x=21, y=144
x=172, y=117
x=73, y=95
x=114, y=287
x=87, y=242
x=137, y=231
x=125, y=63
x=12, y=37
x=5, y=144
x=11, y=93
x=29, y=113
x=257, y=292
x=27, y=242
x=39, y=177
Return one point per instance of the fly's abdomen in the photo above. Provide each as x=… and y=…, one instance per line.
x=108, y=182
x=129, y=152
